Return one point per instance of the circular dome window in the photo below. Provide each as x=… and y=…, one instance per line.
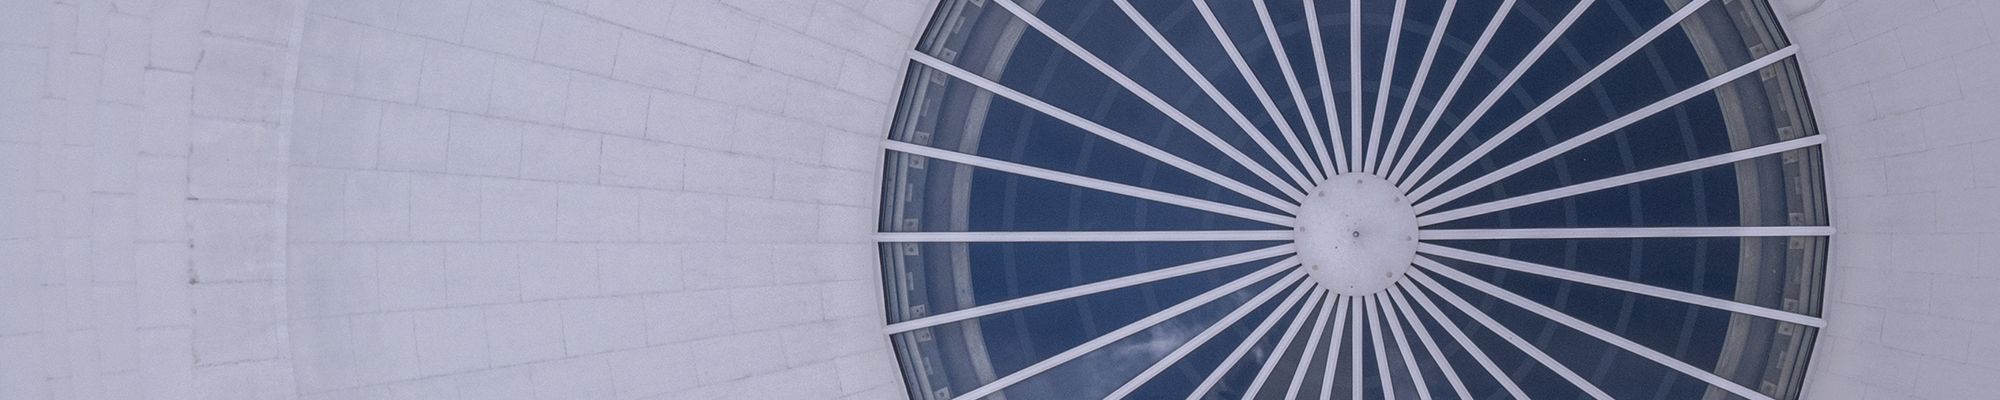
x=1374, y=199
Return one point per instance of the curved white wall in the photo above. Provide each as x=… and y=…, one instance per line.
x=434, y=199
x=1908, y=92
x=626, y=199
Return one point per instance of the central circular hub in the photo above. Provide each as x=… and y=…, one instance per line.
x=1357, y=234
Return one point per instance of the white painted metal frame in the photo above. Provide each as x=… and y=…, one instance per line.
x=1100, y=287
x=1312, y=347
x=1621, y=180
x=1508, y=334
x=1457, y=334
x=1388, y=312
x=1381, y=166
x=1402, y=307
x=1263, y=97
x=1135, y=327
x=1109, y=134
x=1318, y=168
x=1614, y=339
x=1131, y=385
x=1560, y=97
x=1388, y=77
x=1093, y=183
x=1354, y=105
x=1375, y=330
x=1499, y=90
x=1623, y=233
x=1277, y=354
x=1333, y=341
x=1401, y=163
x=1622, y=285
x=1364, y=150
x=1599, y=132
x=1337, y=147
x=1235, y=355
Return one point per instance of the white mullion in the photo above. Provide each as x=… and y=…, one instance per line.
x=1395, y=143
x=1333, y=342
x=1622, y=285
x=1249, y=341
x=1132, y=86
x=1099, y=287
x=1130, y=329
x=1215, y=95
x=1499, y=91
x=1623, y=233
x=1578, y=86
x=1616, y=181
x=1388, y=76
x=1354, y=350
x=1403, y=308
x=1602, y=130
x=1592, y=330
x=1093, y=183
x=1131, y=385
x=1336, y=154
x=1263, y=97
x=1451, y=328
x=1401, y=163
x=1354, y=106
x=1385, y=303
x=1114, y=136
x=1509, y=335
x=1284, y=345
x=1298, y=92
x=1085, y=236
x=1312, y=346
x=1381, y=352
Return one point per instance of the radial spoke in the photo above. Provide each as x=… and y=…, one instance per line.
x=1263, y=97
x=1500, y=90
x=1297, y=292
x=1591, y=330
x=1508, y=334
x=1100, y=287
x=1627, y=286
x=1298, y=91
x=1402, y=307
x=1599, y=132
x=1133, y=328
x=1387, y=77
x=1623, y=233
x=1578, y=86
x=1133, y=86
x=1333, y=340
x=1337, y=148
x=1403, y=345
x=1354, y=351
x=1208, y=87
x=1416, y=88
x=1354, y=106
x=1312, y=347
x=1114, y=136
x=1381, y=352
x=1403, y=158
x=1457, y=334
x=1621, y=180
x=1094, y=183
x=1284, y=345
x=1249, y=341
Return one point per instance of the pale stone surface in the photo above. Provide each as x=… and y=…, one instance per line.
x=1911, y=305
